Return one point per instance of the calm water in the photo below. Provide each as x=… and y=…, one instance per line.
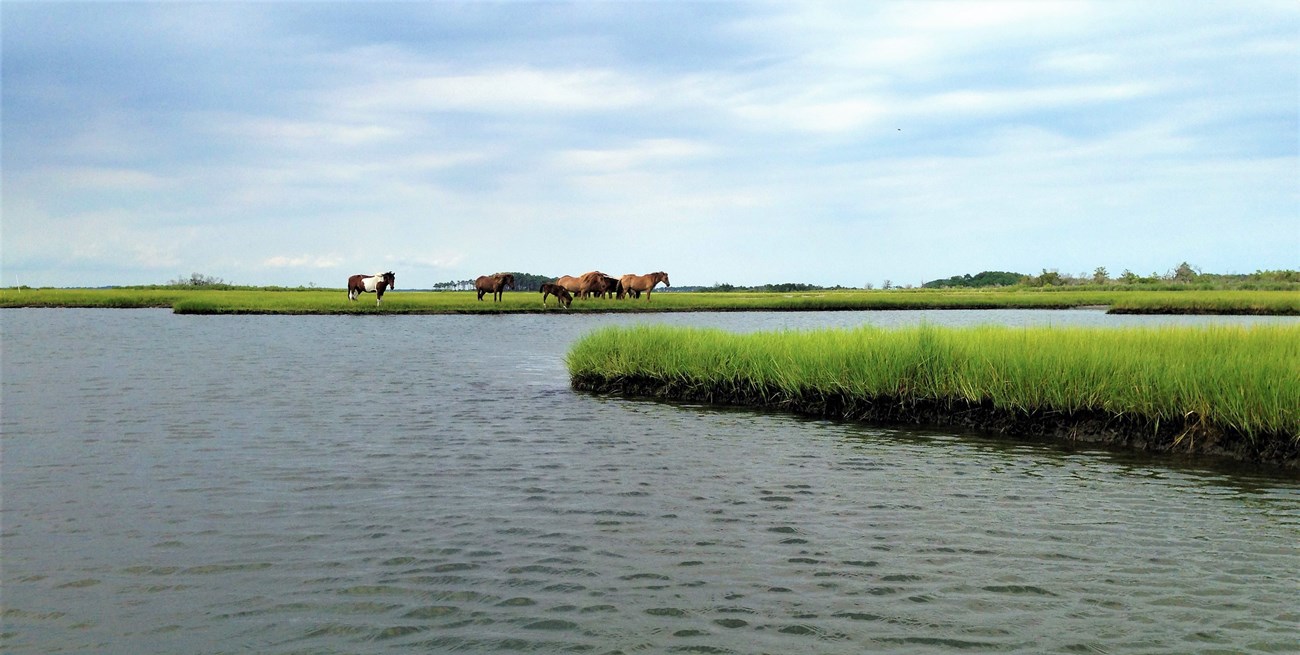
x=183, y=484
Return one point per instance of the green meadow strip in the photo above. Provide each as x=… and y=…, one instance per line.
x=334, y=301
x=1209, y=380
x=1282, y=303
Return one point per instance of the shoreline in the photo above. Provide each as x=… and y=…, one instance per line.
x=1226, y=391
x=1130, y=433
x=372, y=311
x=326, y=302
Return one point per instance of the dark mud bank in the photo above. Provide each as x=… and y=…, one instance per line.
x=1191, y=436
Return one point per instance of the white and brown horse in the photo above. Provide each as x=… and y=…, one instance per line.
x=643, y=283
x=357, y=284
x=494, y=284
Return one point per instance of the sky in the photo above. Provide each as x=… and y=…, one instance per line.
x=829, y=143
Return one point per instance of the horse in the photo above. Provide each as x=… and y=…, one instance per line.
x=494, y=284
x=371, y=284
x=643, y=283
x=594, y=282
x=613, y=288
x=583, y=285
x=561, y=294
x=597, y=284
x=570, y=283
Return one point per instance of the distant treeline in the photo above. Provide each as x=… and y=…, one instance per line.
x=784, y=287
x=1183, y=276
x=982, y=279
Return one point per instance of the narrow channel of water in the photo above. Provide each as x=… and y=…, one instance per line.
x=336, y=484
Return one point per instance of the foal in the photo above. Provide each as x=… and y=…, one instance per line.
x=561, y=294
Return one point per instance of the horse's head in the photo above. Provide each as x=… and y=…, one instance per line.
x=390, y=280
x=508, y=279
x=662, y=276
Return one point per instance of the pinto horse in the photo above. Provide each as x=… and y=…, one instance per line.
x=562, y=295
x=371, y=284
x=638, y=284
x=494, y=284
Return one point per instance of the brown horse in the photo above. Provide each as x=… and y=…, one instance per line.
x=358, y=284
x=613, y=288
x=598, y=284
x=494, y=284
x=572, y=284
x=561, y=294
x=583, y=285
x=643, y=283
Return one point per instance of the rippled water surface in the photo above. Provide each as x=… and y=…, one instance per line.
x=334, y=484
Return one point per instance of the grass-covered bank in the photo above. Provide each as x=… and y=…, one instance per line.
x=1221, y=389
x=334, y=301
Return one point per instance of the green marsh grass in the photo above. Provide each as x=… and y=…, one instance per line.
x=334, y=301
x=1210, y=302
x=1234, y=378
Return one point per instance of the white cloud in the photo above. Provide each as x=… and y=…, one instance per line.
x=966, y=16
x=441, y=262
x=965, y=102
x=289, y=131
x=648, y=152
x=811, y=115
x=509, y=91
x=302, y=261
x=93, y=177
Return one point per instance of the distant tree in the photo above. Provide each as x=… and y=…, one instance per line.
x=530, y=281
x=1185, y=273
x=789, y=287
x=981, y=279
x=1100, y=276
x=1128, y=277
x=887, y=285
x=869, y=286
x=198, y=280
x=1048, y=278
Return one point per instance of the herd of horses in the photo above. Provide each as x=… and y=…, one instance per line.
x=565, y=288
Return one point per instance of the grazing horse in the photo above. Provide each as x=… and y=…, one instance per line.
x=561, y=294
x=494, y=284
x=643, y=283
x=371, y=284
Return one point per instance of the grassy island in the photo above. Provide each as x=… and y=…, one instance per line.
x=278, y=300
x=1225, y=390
